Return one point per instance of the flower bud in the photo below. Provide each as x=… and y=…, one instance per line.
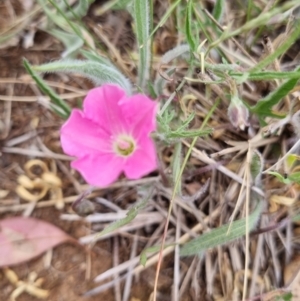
x=84, y=207
x=238, y=113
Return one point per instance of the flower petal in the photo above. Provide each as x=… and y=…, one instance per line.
x=101, y=105
x=101, y=170
x=80, y=136
x=142, y=161
x=140, y=112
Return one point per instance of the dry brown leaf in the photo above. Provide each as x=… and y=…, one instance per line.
x=3, y=193
x=282, y=200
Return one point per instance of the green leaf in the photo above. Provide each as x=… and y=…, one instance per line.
x=188, y=26
x=256, y=168
x=285, y=297
x=153, y=249
x=97, y=72
x=265, y=105
x=219, y=9
x=151, y=91
x=280, y=177
x=132, y=213
x=291, y=159
x=266, y=75
x=188, y=133
x=294, y=177
x=220, y=236
x=60, y=107
x=142, y=23
x=80, y=10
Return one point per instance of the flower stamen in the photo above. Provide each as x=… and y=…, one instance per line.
x=124, y=145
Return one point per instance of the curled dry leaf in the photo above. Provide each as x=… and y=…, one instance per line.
x=282, y=200
x=22, y=239
x=34, y=186
x=31, y=286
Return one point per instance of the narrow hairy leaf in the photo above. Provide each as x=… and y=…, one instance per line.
x=174, y=53
x=265, y=105
x=219, y=9
x=132, y=213
x=266, y=75
x=98, y=58
x=142, y=25
x=188, y=133
x=188, y=26
x=219, y=236
x=97, y=72
x=61, y=108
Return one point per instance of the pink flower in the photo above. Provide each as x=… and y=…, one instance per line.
x=111, y=136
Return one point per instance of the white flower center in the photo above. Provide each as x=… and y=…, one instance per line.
x=124, y=145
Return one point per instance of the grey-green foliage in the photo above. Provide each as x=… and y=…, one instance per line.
x=98, y=72
x=97, y=58
x=71, y=42
x=64, y=23
x=170, y=131
x=174, y=53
